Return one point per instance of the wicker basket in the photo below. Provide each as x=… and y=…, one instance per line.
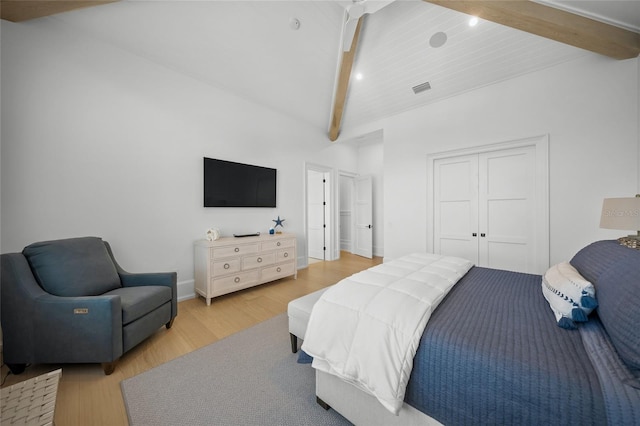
x=31, y=402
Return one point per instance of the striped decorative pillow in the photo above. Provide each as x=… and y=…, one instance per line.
x=570, y=296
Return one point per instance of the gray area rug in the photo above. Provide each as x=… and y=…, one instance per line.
x=248, y=378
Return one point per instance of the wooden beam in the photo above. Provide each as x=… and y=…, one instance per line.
x=343, y=85
x=24, y=10
x=552, y=23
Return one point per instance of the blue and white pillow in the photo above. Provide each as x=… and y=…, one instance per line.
x=570, y=296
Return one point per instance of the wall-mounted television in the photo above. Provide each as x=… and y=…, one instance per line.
x=229, y=184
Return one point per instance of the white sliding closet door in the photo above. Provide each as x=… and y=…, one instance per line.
x=485, y=206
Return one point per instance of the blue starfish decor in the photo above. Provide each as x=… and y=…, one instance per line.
x=278, y=222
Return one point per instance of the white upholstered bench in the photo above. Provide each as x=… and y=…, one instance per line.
x=299, y=311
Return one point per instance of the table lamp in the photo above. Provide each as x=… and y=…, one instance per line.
x=624, y=214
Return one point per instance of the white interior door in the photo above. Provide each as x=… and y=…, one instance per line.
x=363, y=244
x=456, y=207
x=345, y=207
x=316, y=214
x=507, y=186
x=485, y=208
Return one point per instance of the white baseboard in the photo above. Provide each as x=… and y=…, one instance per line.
x=186, y=290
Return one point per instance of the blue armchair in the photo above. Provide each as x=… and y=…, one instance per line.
x=68, y=301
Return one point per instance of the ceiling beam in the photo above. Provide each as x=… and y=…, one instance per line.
x=342, y=85
x=552, y=23
x=24, y=10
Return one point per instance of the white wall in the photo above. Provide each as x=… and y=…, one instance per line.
x=588, y=107
x=96, y=141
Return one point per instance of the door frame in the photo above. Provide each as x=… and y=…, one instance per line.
x=331, y=253
x=541, y=145
x=317, y=204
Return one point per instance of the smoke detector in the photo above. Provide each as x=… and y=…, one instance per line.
x=294, y=24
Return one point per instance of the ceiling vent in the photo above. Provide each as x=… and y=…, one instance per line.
x=421, y=87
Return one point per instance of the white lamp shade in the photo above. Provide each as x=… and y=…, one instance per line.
x=621, y=213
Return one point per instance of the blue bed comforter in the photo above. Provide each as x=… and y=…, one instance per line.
x=492, y=354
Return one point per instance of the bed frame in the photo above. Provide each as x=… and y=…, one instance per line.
x=610, y=350
x=361, y=408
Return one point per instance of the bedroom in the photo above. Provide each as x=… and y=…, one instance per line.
x=81, y=138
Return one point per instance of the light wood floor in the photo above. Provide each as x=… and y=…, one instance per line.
x=87, y=397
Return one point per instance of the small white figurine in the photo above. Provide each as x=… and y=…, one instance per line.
x=213, y=234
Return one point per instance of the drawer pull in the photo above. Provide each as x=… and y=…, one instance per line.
x=259, y=260
x=236, y=280
x=279, y=269
x=237, y=249
x=227, y=266
x=286, y=254
x=278, y=243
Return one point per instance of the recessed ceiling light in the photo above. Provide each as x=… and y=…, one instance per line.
x=359, y=76
x=473, y=21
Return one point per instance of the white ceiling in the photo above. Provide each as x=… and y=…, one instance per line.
x=249, y=48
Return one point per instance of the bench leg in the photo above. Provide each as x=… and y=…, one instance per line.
x=322, y=403
x=294, y=343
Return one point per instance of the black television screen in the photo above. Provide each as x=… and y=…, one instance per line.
x=229, y=184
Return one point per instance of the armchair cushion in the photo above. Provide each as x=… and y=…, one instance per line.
x=137, y=302
x=73, y=267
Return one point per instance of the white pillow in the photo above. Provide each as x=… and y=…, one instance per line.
x=570, y=296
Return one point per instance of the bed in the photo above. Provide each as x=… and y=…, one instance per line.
x=493, y=352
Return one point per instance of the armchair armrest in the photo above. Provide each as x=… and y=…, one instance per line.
x=17, y=307
x=39, y=327
x=78, y=329
x=129, y=279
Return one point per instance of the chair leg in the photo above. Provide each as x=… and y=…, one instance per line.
x=170, y=323
x=109, y=367
x=294, y=343
x=17, y=368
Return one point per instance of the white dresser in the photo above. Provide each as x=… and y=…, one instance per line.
x=230, y=264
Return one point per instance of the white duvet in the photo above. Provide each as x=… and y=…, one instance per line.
x=366, y=328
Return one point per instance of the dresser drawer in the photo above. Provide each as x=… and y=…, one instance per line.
x=234, y=282
x=276, y=244
x=278, y=271
x=234, y=250
x=286, y=254
x=223, y=267
x=250, y=262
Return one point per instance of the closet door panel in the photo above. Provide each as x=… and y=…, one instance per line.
x=456, y=207
x=506, y=208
